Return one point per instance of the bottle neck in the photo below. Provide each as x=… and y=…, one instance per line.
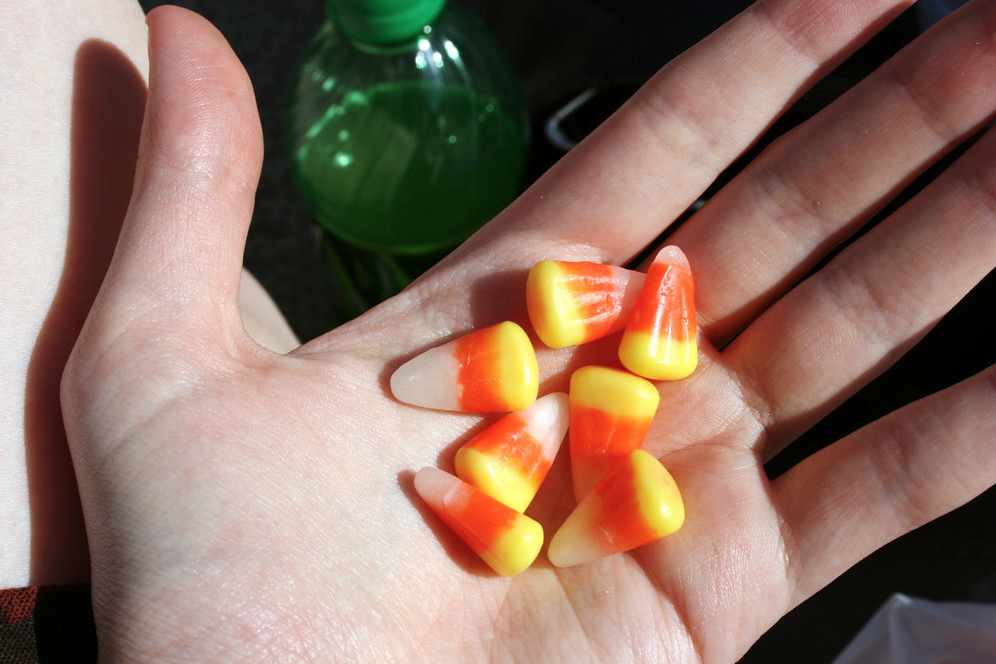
x=383, y=22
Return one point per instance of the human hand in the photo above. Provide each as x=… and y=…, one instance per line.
x=248, y=506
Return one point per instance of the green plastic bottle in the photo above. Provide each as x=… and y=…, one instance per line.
x=407, y=125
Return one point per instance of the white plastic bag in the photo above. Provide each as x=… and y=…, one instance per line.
x=917, y=631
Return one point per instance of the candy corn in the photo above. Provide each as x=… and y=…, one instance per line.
x=510, y=458
x=610, y=413
x=571, y=303
x=491, y=370
x=625, y=497
x=505, y=539
x=637, y=502
x=659, y=341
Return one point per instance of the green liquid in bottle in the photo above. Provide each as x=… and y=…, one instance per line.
x=407, y=130
x=410, y=167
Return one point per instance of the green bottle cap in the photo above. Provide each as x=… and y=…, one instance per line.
x=384, y=21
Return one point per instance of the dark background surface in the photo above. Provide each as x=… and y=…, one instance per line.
x=560, y=48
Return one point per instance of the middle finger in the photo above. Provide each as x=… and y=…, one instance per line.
x=853, y=318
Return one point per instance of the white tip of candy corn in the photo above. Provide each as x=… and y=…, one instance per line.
x=548, y=418
x=435, y=485
x=672, y=255
x=428, y=380
x=486, y=371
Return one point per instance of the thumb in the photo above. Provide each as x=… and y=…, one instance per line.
x=169, y=301
x=180, y=250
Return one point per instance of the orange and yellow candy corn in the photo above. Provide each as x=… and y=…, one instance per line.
x=491, y=370
x=636, y=503
x=660, y=337
x=610, y=413
x=505, y=539
x=509, y=460
x=574, y=302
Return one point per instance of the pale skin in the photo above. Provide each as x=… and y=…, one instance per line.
x=74, y=93
x=243, y=505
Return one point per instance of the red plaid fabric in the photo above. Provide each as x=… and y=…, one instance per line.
x=47, y=626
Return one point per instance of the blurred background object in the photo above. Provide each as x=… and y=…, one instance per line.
x=602, y=50
x=407, y=131
x=929, y=12
x=909, y=630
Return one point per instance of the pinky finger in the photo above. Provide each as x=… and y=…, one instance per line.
x=885, y=480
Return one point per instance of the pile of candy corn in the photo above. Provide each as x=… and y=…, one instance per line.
x=625, y=497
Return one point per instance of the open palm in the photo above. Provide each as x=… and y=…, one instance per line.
x=246, y=506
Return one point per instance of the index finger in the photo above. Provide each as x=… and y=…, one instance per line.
x=617, y=191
